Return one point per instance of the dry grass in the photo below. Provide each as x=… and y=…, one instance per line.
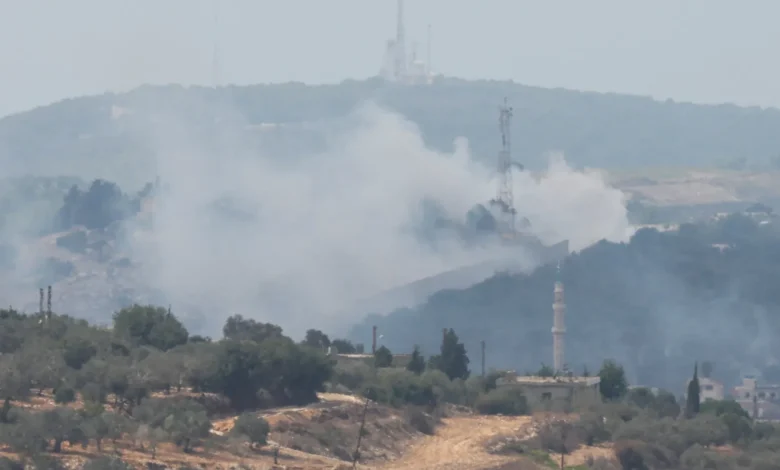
x=315, y=436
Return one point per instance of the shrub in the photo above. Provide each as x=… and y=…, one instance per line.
x=663, y=404
x=383, y=357
x=421, y=421
x=558, y=436
x=642, y=455
x=64, y=395
x=78, y=352
x=738, y=427
x=253, y=427
x=353, y=375
x=149, y=325
x=9, y=464
x=506, y=401
x=721, y=407
x=592, y=429
x=675, y=435
x=399, y=387
x=444, y=389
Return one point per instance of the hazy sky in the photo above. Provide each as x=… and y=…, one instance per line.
x=693, y=50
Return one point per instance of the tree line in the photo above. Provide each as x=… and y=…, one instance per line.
x=149, y=381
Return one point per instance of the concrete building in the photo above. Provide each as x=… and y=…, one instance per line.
x=399, y=360
x=709, y=389
x=556, y=393
x=761, y=401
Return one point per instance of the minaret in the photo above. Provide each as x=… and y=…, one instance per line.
x=559, y=327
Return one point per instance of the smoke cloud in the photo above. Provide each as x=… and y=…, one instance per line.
x=297, y=239
x=318, y=234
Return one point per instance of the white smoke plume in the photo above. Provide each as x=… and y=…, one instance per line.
x=562, y=204
x=326, y=230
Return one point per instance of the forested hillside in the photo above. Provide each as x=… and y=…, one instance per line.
x=658, y=303
x=113, y=135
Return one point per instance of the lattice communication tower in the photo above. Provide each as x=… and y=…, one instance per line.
x=505, y=200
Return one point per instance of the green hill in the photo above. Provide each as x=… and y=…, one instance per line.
x=114, y=134
x=656, y=304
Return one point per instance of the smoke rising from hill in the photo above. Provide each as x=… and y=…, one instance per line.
x=302, y=240
x=297, y=239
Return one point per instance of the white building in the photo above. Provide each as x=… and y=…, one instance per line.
x=709, y=389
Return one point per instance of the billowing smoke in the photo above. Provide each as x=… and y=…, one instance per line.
x=565, y=204
x=303, y=239
x=284, y=233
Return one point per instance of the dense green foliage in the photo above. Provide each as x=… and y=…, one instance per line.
x=452, y=358
x=383, y=357
x=116, y=374
x=150, y=326
x=613, y=384
x=128, y=387
x=252, y=427
x=96, y=208
x=658, y=303
x=591, y=128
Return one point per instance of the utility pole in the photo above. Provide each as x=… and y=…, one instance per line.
x=48, y=305
x=40, y=303
x=356, y=457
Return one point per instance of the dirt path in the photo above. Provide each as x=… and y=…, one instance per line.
x=459, y=445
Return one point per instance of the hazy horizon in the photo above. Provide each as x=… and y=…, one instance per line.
x=664, y=50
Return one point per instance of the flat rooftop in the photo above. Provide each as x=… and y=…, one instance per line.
x=536, y=380
x=367, y=356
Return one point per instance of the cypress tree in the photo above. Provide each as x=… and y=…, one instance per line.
x=694, y=397
x=416, y=363
x=453, y=360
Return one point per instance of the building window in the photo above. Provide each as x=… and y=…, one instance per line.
x=709, y=388
x=761, y=395
x=747, y=394
x=547, y=396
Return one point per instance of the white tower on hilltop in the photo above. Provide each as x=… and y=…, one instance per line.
x=559, y=326
x=400, y=44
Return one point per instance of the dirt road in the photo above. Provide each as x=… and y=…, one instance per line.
x=459, y=445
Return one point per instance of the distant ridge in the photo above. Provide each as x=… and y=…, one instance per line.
x=410, y=295
x=102, y=133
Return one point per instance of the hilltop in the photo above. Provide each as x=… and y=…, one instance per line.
x=117, y=136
